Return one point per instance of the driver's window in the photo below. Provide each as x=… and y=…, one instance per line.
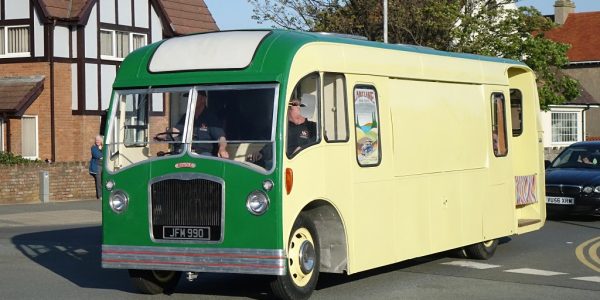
x=303, y=115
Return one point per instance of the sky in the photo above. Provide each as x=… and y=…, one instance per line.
x=237, y=14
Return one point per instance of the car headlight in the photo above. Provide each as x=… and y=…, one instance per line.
x=588, y=189
x=597, y=189
x=118, y=201
x=257, y=203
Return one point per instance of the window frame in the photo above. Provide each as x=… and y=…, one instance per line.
x=37, y=137
x=379, y=148
x=318, y=107
x=494, y=112
x=5, y=42
x=517, y=132
x=577, y=128
x=345, y=103
x=113, y=33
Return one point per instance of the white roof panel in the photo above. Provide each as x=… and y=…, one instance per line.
x=208, y=51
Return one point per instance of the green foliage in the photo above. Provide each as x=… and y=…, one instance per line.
x=7, y=158
x=471, y=26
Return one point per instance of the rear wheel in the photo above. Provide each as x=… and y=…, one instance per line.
x=303, y=263
x=155, y=282
x=483, y=250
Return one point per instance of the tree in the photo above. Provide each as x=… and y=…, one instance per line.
x=483, y=27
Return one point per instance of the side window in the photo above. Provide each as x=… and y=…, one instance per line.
x=516, y=108
x=366, y=118
x=335, y=120
x=303, y=115
x=499, y=125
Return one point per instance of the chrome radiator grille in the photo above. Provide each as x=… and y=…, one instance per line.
x=190, y=204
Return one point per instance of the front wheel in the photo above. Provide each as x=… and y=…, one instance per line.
x=483, y=250
x=303, y=263
x=155, y=282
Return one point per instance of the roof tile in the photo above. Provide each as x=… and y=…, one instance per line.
x=581, y=31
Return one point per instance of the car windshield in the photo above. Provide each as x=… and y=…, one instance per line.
x=223, y=122
x=578, y=157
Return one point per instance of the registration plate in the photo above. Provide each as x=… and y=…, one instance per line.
x=186, y=233
x=560, y=200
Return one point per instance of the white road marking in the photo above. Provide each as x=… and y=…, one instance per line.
x=471, y=264
x=535, y=272
x=591, y=278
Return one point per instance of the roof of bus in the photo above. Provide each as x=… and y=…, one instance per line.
x=271, y=60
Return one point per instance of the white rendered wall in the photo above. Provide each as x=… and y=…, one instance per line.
x=74, y=41
x=38, y=35
x=91, y=87
x=141, y=13
x=108, y=73
x=16, y=9
x=107, y=11
x=74, y=83
x=156, y=28
x=125, y=12
x=91, y=35
x=61, y=41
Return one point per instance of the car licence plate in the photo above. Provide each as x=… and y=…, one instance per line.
x=186, y=233
x=560, y=200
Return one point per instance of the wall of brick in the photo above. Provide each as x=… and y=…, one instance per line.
x=68, y=181
x=74, y=133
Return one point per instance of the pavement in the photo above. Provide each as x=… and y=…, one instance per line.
x=50, y=214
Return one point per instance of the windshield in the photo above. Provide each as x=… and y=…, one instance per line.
x=578, y=157
x=227, y=122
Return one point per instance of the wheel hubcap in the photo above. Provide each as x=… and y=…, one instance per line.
x=301, y=257
x=307, y=257
x=163, y=276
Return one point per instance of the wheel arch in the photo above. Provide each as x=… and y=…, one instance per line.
x=332, y=235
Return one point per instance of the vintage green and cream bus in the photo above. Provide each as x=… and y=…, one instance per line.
x=410, y=151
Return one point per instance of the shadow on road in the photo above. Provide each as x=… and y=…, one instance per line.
x=75, y=254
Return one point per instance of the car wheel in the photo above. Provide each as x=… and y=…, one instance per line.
x=303, y=263
x=155, y=282
x=483, y=250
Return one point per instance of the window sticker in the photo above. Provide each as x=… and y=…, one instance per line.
x=367, y=126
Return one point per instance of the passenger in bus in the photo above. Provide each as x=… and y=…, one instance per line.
x=207, y=127
x=301, y=131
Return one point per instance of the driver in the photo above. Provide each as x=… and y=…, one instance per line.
x=207, y=127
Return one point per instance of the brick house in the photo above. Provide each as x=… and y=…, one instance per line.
x=58, y=59
x=578, y=120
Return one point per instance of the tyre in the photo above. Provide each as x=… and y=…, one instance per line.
x=302, y=263
x=155, y=282
x=483, y=250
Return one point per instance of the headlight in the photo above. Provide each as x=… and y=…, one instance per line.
x=597, y=189
x=257, y=203
x=118, y=201
x=588, y=189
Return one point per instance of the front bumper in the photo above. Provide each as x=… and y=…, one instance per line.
x=245, y=261
x=583, y=205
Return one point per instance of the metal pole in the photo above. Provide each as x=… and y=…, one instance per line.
x=385, y=21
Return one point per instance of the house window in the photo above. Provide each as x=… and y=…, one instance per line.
x=14, y=41
x=116, y=44
x=564, y=127
x=29, y=137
